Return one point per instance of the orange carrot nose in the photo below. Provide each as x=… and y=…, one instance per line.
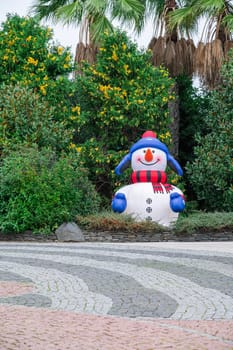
x=148, y=155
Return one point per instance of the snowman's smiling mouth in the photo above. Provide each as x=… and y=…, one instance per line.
x=149, y=163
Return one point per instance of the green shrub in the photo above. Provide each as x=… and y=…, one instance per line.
x=211, y=173
x=25, y=117
x=39, y=191
x=121, y=96
x=192, y=105
x=202, y=222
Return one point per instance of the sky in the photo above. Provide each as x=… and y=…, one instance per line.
x=64, y=35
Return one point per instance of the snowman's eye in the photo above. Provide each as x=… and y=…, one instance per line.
x=153, y=151
x=144, y=151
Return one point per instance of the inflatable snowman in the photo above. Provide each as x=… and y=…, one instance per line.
x=149, y=197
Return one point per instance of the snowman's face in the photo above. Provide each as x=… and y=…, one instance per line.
x=149, y=159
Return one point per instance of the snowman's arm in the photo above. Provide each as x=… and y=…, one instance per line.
x=177, y=202
x=119, y=203
x=124, y=164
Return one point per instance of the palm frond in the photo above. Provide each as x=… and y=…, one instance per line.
x=128, y=11
x=180, y=49
x=177, y=56
x=170, y=57
x=209, y=59
x=210, y=7
x=184, y=19
x=69, y=14
x=46, y=8
x=155, y=6
x=228, y=22
x=158, y=51
x=199, y=58
x=99, y=25
x=95, y=6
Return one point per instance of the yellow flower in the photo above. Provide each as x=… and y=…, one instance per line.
x=72, y=146
x=43, y=89
x=124, y=46
x=66, y=66
x=60, y=49
x=31, y=60
x=49, y=31
x=174, y=181
x=104, y=89
x=76, y=109
x=11, y=42
x=165, y=99
x=117, y=88
x=114, y=56
x=67, y=59
x=29, y=38
x=78, y=149
x=73, y=117
x=126, y=68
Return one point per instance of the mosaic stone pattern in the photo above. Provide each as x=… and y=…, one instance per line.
x=116, y=296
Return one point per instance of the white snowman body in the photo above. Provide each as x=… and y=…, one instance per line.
x=148, y=199
x=145, y=204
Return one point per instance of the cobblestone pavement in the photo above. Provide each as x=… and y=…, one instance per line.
x=102, y=296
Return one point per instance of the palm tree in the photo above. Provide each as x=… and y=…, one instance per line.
x=93, y=18
x=171, y=46
x=216, y=37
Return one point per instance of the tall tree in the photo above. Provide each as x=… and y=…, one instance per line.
x=172, y=48
x=93, y=18
x=216, y=37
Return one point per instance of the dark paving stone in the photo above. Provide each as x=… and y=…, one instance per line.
x=32, y=300
x=10, y=276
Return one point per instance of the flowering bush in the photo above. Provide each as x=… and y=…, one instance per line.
x=121, y=96
x=28, y=56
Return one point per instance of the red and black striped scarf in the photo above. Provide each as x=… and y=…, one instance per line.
x=155, y=177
